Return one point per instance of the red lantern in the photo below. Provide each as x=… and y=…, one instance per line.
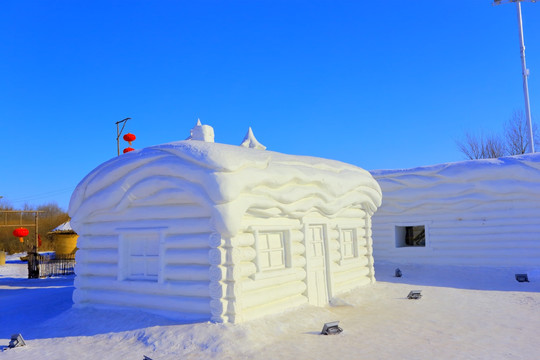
x=128, y=149
x=20, y=233
x=129, y=137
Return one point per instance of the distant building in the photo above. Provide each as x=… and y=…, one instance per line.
x=479, y=212
x=64, y=239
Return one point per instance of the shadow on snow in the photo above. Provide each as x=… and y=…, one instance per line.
x=458, y=277
x=43, y=308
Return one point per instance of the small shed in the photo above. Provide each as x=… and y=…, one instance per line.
x=201, y=231
x=477, y=212
x=64, y=239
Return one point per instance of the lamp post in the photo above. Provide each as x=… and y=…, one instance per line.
x=524, y=70
x=119, y=132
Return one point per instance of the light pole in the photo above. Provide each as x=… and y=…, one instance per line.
x=119, y=132
x=524, y=70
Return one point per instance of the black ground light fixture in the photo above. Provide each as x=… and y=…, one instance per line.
x=16, y=340
x=415, y=294
x=398, y=273
x=331, y=328
x=522, y=278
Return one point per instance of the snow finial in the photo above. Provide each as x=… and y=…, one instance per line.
x=251, y=142
x=202, y=132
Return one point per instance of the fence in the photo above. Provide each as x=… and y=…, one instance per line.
x=50, y=265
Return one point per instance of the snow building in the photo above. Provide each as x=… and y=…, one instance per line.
x=478, y=212
x=201, y=231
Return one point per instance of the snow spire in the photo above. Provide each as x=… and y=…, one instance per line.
x=202, y=132
x=251, y=142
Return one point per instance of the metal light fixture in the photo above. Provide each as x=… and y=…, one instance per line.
x=331, y=328
x=414, y=294
x=16, y=340
x=398, y=273
x=522, y=278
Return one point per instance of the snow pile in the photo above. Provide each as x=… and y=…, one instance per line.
x=480, y=212
x=465, y=313
x=227, y=180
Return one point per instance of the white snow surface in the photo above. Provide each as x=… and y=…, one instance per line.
x=227, y=179
x=63, y=227
x=465, y=313
x=461, y=185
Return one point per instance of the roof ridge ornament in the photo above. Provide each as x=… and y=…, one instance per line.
x=250, y=141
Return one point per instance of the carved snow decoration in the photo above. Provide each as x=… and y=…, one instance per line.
x=202, y=132
x=251, y=142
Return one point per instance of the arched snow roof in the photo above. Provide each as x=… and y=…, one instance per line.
x=229, y=180
x=461, y=185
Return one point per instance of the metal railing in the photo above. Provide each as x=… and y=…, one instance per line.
x=40, y=266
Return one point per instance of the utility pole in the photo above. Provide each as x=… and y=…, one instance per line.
x=524, y=70
x=119, y=132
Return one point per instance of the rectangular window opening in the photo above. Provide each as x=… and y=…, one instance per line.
x=411, y=236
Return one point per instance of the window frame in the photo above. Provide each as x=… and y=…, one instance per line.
x=400, y=231
x=125, y=257
x=261, y=272
x=355, y=253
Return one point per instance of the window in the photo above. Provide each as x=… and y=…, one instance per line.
x=270, y=251
x=411, y=236
x=142, y=257
x=348, y=244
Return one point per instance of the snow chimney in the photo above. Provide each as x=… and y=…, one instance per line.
x=202, y=132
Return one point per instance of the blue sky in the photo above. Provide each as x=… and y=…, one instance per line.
x=380, y=84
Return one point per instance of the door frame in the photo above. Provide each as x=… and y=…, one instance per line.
x=328, y=270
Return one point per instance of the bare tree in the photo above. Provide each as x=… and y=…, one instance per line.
x=514, y=140
x=516, y=134
x=482, y=147
x=52, y=216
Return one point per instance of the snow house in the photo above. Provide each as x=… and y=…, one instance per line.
x=202, y=231
x=476, y=212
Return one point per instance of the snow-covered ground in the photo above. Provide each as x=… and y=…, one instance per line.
x=465, y=313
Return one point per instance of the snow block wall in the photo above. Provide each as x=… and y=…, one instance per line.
x=479, y=212
x=204, y=231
